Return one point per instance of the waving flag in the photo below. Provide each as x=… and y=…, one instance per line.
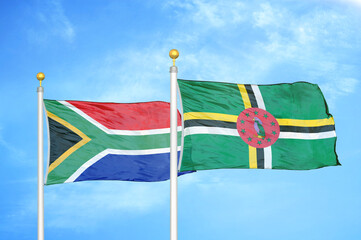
x=282, y=126
x=108, y=141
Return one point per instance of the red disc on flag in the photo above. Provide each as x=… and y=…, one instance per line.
x=257, y=127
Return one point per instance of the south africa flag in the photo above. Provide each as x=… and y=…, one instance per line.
x=108, y=141
x=281, y=126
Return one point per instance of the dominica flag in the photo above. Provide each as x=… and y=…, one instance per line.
x=108, y=141
x=281, y=126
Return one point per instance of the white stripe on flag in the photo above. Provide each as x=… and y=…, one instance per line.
x=210, y=130
x=117, y=132
x=258, y=95
x=261, y=105
x=307, y=136
x=268, y=157
x=102, y=154
x=234, y=132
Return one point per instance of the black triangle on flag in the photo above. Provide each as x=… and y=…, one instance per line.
x=61, y=139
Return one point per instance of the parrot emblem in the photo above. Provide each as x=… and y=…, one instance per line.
x=259, y=128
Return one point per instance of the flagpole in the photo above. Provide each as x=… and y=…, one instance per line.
x=173, y=148
x=40, y=76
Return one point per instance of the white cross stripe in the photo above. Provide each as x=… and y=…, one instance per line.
x=259, y=98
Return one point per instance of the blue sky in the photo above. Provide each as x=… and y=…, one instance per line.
x=118, y=51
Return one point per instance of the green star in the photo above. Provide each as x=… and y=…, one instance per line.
x=268, y=140
x=249, y=139
x=273, y=123
x=259, y=142
x=274, y=132
x=243, y=130
x=265, y=116
x=247, y=114
x=255, y=113
x=242, y=121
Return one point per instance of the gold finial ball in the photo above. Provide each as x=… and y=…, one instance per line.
x=173, y=53
x=40, y=76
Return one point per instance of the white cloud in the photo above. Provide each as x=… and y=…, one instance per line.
x=13, y=152
x=348, y=85
x=134, y=75
x=338, y=87
x=53, y=22
x=84, y=205
x=210, y=13
x=302, y=40
x=224, y=186
x=267, y=16
x=356, y=3
x=308, y=41
x=312, y=44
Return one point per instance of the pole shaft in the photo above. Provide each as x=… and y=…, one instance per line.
x=173, y=155
x=40, y=91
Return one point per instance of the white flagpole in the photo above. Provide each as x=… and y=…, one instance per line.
x=173, y=148
x=40, y=76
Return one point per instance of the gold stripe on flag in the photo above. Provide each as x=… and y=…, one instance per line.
x=281, y=121
x=252, y=157
x=306, y=123
x=210, y=116
x=245, y=97
x=247, y=104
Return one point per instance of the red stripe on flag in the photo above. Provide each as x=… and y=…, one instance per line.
x=128, y=116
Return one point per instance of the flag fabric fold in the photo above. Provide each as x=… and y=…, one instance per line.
x=281, y=126
x=108, y=141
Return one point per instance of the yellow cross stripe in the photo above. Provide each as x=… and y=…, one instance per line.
x=245, y=97
x=247, y=104
x=252, y=157
x=306, y=123
x=210, y=116
x=281, y=121
x=66, y=154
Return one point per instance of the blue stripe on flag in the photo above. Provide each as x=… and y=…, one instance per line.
x=139, y=168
